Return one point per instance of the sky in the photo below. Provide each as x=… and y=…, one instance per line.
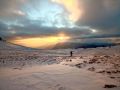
x=75, y=18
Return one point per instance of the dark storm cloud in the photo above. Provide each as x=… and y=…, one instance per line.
x=101, y=14
x=33, y=27
x=99, y=9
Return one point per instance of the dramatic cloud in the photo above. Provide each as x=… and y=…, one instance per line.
x=79, y=18
x=10, y=8
x=103, y=14
x=73, y=7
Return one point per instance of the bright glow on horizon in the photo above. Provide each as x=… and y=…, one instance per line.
x=41, y=42
x=62, y=37
x=94, y=30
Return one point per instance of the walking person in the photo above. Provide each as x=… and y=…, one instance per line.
x=71, y=53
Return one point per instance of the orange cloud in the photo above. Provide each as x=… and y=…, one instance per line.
x=73, y=7
x=41, y=42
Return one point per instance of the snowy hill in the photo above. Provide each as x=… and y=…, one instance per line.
x=9, y=46
x=23, y=68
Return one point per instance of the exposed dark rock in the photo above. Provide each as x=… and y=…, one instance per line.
x=108, y=72
x=79, y=65
x=91, y=69
x=112, y=77
x=81, y=57
x=110, y=86
x=103, y=71
x=92, y=61
x=84, y=61
x=106, y=56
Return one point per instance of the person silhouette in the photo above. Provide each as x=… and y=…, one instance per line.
x=1, y=39
x=71, y=53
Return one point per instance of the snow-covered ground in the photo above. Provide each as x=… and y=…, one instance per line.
x=29, y=69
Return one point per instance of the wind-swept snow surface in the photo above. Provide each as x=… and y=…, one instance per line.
x=88, y=69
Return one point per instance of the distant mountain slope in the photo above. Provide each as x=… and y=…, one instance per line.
x=9, y=46
x=82, y=45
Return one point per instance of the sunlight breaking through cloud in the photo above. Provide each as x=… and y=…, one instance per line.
x=41, y=42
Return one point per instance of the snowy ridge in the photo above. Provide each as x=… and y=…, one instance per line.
x=9, y=46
